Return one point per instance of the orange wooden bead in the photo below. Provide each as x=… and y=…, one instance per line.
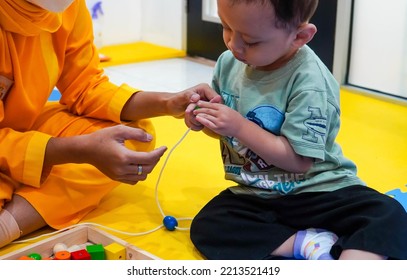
x=26, y=258
x=62, y=255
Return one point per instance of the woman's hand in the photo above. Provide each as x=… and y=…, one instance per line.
x=185, y=101
x=109, y=154
x=146, y=104
x=105, y=149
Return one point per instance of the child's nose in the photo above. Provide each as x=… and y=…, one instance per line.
x=236, y=46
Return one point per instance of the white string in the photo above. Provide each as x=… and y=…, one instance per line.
x=159, y=178
x=119, y=231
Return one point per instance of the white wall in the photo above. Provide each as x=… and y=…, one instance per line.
x=379, y=46
x=164, y=22
x=120, y=22
x=160, y=22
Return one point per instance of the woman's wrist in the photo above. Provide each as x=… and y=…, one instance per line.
x=144, y=104
x=62, y=150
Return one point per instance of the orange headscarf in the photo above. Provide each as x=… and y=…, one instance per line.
x=22, y=17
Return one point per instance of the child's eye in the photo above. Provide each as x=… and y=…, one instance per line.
x=252, y=44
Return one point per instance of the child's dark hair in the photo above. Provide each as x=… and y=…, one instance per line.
x=289, y=13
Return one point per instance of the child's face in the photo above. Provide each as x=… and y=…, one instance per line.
x=250, y=32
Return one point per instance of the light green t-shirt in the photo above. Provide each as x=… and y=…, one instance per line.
x=299, y=101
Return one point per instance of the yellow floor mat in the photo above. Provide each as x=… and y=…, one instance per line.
x=374, y=135
x=137, y=52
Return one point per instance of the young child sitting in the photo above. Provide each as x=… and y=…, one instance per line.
x=296, y=195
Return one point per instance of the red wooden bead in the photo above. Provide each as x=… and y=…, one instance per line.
x=80, y=255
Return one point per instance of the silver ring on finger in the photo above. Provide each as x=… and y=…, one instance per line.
x=139, y=169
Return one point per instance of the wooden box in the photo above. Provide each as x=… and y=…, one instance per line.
x=79, y=235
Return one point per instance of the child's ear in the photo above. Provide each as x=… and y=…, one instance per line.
x=305, y=33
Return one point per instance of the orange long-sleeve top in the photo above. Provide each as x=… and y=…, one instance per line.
x=38, y=51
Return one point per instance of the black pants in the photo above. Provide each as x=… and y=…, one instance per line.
x=246, y=227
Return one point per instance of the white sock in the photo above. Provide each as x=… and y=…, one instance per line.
x=314, y=244
x=9, y=229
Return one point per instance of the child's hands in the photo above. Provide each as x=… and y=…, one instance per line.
x=219, y=118
x=190, y=118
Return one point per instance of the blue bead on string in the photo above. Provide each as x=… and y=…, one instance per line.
x=170, y=222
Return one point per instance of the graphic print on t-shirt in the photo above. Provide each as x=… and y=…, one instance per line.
x=270, y=119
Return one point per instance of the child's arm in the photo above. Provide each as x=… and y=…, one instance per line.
x=275, y=150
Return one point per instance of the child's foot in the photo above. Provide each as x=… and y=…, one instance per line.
x=314, y=244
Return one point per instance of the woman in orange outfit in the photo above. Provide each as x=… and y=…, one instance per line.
x=59, y=159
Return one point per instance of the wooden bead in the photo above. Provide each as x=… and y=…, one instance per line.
x=62, y=255
x=80, y=255
x=26, y=258
x=59, y=247
x=96, y=251
x=115, y=251
x=35, y=256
